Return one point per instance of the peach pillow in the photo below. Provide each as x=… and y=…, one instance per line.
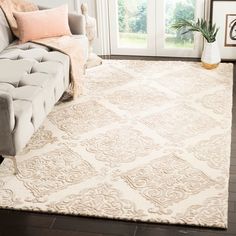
x=42, y=24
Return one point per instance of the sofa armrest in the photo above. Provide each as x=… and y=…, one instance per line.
x=77, y=22
x=7, y=124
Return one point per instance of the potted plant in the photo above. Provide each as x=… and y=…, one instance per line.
x=210, y=55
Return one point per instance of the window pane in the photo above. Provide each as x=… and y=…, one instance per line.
x=175, y=10
x=132, y=18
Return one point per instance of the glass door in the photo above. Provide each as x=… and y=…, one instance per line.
x=131, y=27
x=143, y=27
x=174, y=43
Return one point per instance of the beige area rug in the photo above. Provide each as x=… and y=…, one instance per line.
x=147, y=141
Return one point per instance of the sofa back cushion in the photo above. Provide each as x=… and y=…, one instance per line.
x=6, y=36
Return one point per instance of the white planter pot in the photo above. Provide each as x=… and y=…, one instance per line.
x=210, y=55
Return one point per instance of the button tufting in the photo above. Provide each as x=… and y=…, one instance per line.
x=30, y=71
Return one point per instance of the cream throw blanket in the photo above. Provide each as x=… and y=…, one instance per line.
x=66, y=44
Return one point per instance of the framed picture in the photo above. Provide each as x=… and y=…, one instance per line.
x=230, y=30
x=223, y=14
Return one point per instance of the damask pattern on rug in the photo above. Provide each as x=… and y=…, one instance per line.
x=76, y=119
x=102, y=200
x=100, y=81
x=40, y=139
x=147, y=141
x=53, y=171
x=189, y=82
x=179, y=123
x=120, y=145
x=8, y=198
x=214, y=210
x=213, y=152
x=167, y=181
x=138, y=99
x=217, y=102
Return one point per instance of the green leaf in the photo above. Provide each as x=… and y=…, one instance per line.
x=207, y=29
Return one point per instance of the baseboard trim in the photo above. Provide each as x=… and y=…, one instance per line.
x=149, y=58
x=157, y=58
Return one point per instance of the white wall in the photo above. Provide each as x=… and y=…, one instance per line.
x=91, y=5
x=54, y=3
x=74, y=5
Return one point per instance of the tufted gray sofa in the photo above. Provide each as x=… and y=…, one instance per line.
x=32, y=80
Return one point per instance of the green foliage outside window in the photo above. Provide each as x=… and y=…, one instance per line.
x=132, y=22
x=132, y=16
x=175, y=12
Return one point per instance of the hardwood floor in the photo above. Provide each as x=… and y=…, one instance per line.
x=27, y=223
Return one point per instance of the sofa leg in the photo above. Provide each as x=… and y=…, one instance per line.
x=16, y=171
x=1, y=159
x=13, y=158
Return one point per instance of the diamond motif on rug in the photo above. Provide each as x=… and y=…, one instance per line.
x=120, y=145
x=179, y=123
x=217, y=102
x=167, y=181
x=213, y=209
x=102, y=200
x=188, y=82
x=137, y=99
x=54, y=171
x=213, y=151
x=80, y=118
x=40, y=139
x=97, y=81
